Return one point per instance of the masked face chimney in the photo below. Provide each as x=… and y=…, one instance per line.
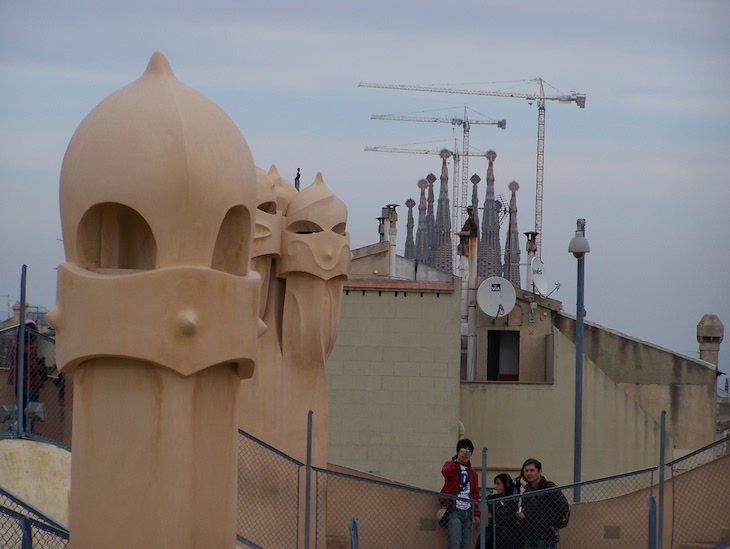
x=156, y=314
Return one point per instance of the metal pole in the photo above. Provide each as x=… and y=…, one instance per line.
x=652, y=522
x=354, y=538
x=308, y=482
x=660, y=521
x=578, y=435
x=27, y=541
x=483, y=521
x=20, y=355
x=471, y=341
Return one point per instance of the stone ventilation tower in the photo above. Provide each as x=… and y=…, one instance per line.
x=512, y=248
x=443, y=251
x=421, y=251
x=157, y=198
x=710, y=333
x=430, y=222
x=410, y=246
x=315, y=258
x=490, y=262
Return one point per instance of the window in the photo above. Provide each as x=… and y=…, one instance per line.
x=503, y=355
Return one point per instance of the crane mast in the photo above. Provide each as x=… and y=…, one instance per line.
x=464, y=177
x=538, y=176
x=577, y=98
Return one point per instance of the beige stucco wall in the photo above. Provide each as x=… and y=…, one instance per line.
x=39, y=473
x=656, y=379
x=627, y=383
x=370, y=261
x=516, y=421
x=393, y=381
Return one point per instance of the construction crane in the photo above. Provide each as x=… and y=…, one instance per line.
x=577, y=98
x=458, y=207
x=385, y=148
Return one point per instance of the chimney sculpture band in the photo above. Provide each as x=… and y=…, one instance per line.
x=157, y=314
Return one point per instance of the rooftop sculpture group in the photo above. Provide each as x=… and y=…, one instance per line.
x=188, y=269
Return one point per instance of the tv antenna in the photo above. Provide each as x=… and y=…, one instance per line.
x=538, y=276
x=496, y=296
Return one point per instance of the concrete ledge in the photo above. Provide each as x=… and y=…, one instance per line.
x=39, y=473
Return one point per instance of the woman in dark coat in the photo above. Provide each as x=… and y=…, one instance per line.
x=502, y=516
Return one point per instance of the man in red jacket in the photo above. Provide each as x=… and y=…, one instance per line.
x=461, y=480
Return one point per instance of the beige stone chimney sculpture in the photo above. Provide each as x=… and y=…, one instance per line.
x=157, y=314
x=315, y=260
x=710, y=333
x=302, y=253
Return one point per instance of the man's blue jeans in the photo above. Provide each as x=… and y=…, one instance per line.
x=460, y=530
x=538, y=544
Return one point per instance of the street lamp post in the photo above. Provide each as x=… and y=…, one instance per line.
x=579, y=248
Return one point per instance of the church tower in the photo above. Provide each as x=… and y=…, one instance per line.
x=430, y=222
x=410, y=247
x=475, y=179
x=421, y=251
x=489, y=255
x=442, y=257
x=512, y=247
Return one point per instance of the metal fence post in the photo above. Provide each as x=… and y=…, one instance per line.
x=660, y=520
x=308, y=482
x=578, y=426
x=27, y=542
x=20, y=357
x=482, y=522
x=652, y=522
x=354, y=541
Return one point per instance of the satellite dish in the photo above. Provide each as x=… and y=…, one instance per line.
x=538, y=276
x=496, y=296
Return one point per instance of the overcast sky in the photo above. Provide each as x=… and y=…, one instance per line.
x=646, y=162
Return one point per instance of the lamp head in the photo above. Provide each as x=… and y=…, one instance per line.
x=579, y=244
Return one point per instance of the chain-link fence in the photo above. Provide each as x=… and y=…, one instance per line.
x=388, y=514
x=272, y=502
x=616, y=511
x=21, y=526
x=269, y=488
x=609, y=512
x=700, y=480
x=42, y=407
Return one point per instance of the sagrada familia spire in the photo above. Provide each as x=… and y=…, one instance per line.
x=490, y=261
x=433, y=239
x=430, y=222
x=475, y=179
x=422, y=244
x=410, y=246
x=512, y=250
x=442, y=251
